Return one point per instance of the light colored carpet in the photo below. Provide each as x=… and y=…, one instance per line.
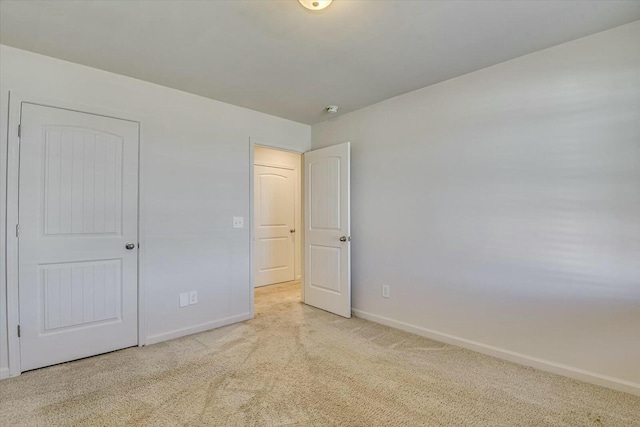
x=295, y=365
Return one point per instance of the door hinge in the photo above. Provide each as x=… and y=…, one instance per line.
x=18, y=331
x=17, y=230
x=19, y=131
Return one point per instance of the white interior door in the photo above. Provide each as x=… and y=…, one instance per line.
x=327, y=275
x=78, y=210
x=274, y=219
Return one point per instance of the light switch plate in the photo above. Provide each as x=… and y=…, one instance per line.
x=193, y=297
x=238, y=222
x=385, y=291
x=184, y=299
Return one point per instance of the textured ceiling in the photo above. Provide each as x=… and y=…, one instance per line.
x=279, y=58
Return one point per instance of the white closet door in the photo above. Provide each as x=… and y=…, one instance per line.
x=78, y=204
x=274, y=206
x=327, y=276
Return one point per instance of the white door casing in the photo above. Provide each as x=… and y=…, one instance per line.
x=327, y=277
x=78, y=208
x=274, y=221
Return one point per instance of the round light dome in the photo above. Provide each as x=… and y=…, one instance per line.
x=315, y=4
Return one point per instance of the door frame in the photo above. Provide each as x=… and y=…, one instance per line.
x=253, y=143
x=11, y=243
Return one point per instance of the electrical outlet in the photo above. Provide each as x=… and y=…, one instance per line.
x=238, y=222
x=385, y=291
x=184, y=299
x=193, y=297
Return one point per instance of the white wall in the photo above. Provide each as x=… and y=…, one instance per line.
x=196, y=168
x=503, y=208
x=269, y=156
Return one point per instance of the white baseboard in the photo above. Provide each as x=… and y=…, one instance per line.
x=177, y=333
x=277, y=283
x=523, y=359
x=4, y=373
x=266, y=284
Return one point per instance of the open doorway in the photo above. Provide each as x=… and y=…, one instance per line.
x=277, y=216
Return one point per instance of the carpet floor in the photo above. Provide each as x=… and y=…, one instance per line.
x=294, y=365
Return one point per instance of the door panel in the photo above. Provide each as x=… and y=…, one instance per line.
x=324, y=265
x=83, y=181
x=78, y=204
x=327, y=283
x=274, y=207
x=80, y=293
x=324, y=184
x=274, y=253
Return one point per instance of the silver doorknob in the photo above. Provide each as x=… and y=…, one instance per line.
x=343, y=239
x=293, y=230
x=129, y=246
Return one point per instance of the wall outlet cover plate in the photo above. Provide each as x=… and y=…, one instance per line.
x=184, y=299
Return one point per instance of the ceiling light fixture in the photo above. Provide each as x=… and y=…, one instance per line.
x=315, y=4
